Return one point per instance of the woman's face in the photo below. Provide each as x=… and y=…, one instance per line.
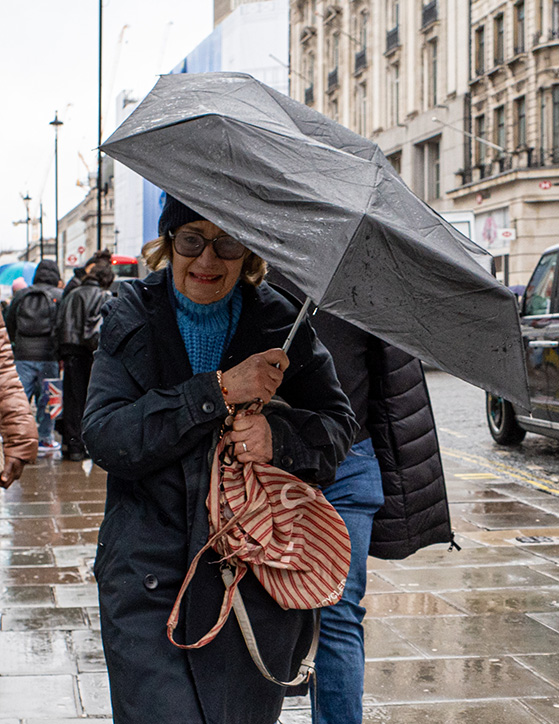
x=206, y=278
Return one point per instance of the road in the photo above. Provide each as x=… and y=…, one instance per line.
x=463, y=433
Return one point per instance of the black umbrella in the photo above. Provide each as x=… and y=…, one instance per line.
x=325, y=207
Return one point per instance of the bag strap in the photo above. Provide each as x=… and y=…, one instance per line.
x=306, y=668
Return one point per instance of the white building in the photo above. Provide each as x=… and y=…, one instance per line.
x=253, y=39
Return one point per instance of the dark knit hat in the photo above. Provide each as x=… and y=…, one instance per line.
x=176, y=214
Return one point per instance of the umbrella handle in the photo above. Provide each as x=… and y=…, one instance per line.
x=296, y=325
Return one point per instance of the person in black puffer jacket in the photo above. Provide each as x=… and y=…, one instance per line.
x=78, y=327
x=30, y=320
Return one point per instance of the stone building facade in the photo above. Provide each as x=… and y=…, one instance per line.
x=514, y=87
x=423, y=79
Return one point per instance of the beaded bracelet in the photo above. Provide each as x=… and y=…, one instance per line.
x=224, y=392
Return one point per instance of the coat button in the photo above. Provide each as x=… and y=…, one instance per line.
x=208, y=407
x=286, y=461
x=151, y=582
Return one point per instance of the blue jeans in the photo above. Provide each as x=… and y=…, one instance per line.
x=340, y=662
x=32, y=375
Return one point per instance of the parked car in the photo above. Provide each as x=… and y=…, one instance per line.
x=539, y=315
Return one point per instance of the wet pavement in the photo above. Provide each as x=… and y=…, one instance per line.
x=462, y=637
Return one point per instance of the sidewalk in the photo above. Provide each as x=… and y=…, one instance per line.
x=465, y=637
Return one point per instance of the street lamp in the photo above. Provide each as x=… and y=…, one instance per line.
x=56, y=123
x=26, y=200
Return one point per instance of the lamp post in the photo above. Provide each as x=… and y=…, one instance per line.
x=26, y=200
x=56, y=123
x=99, y=125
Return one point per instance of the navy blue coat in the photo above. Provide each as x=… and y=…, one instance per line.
x=152, y=425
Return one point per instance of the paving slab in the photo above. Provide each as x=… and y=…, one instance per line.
x=451, y=679
x=488, y=635
x=36, y=696
x=26, y=596
x=26, y=557
x=511, y=712
x=37, y=652
x=383, y=642
x=88, y=648
x=546, y=666
x=505, y=600
x=428, y=557
x=409, y=604
x=457, y=579
x=547, y=709
x=76, y=596
x=94, y=694
x=40, y=619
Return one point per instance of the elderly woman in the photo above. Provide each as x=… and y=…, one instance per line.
x=177, y=351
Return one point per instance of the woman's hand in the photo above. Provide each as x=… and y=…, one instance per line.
x=13, y=468
x=252, y=436
x=255, y=377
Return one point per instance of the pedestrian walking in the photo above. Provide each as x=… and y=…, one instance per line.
x=77, y=329
x=17, y=426
x=31, y=320
x=178, y=350
x=388, y=394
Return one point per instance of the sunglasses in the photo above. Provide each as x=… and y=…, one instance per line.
x=191, y=243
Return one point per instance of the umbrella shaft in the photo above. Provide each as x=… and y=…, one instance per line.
x=296, y=324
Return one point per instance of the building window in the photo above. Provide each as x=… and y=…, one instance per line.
x=543, y=127
x=480, y=137
x=499, y=39
x=555, y=123
x=432, y=68
x=393, y=14
x=555, y=19
x=480, y=50
x=308, y=73
x=363, y=18
x=500, y=130
x=395, y=160
x=333, y=109
x=394, y=94
x=361, y=108
x=333, y=54
x=519, y=28
x=520, y=121
x=427, y=181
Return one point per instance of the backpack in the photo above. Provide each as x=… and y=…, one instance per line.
x=36, y=312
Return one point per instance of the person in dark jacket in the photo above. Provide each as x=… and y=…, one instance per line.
x=177, y=350
x=370, y=372
x=30, y=320
x=78, y=325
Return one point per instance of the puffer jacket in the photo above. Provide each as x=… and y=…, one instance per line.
x=17, y=426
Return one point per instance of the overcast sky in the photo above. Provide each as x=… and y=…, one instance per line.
x=49, y=62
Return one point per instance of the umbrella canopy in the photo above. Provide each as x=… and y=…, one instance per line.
x=10, y=272
x=325, y=207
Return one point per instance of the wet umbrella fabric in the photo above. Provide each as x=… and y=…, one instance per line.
x=325, y=207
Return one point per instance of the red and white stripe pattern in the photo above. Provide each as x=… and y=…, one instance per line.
x=293, y=539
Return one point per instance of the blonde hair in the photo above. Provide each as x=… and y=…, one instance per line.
x=159, y=252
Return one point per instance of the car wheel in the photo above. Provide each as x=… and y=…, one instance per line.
x=501, y=420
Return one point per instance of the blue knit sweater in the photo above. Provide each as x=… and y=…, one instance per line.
x=207, y=329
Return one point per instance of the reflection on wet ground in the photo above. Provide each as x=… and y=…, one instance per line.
x=451, y=638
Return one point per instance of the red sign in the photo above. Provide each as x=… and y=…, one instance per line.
x=506, y=234
x=72, y=259
x=545, y=185
x=81, y=249
x=479, y=198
